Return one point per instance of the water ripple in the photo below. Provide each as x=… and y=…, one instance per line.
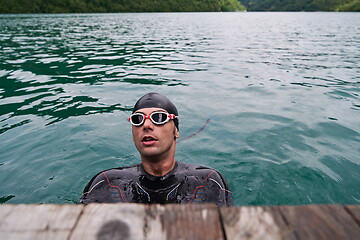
x=282, y=96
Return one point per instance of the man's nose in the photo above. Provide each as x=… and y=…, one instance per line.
x=148, y=124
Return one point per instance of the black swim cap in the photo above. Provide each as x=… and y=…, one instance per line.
x=156, y=100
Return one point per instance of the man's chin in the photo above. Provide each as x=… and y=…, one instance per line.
x=150, y=153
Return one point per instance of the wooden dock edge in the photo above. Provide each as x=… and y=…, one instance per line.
x=193, y=221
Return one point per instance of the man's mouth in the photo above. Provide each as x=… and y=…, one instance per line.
x=148, y=140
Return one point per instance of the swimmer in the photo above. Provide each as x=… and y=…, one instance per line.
x=159, y=178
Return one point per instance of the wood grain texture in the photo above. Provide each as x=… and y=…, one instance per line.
x=38, y=221
x=187, y=222
x=191, y=221
x=354, y=211
x=250, y=223
x=111, y=221
x=321, y=222
x=286, y=229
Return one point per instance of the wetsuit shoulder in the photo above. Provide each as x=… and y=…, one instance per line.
x=198, y=170
x=217, y=189
x=104, y=178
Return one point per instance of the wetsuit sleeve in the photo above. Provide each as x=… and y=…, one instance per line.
x=220, y=191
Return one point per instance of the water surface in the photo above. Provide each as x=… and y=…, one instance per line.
x=281, y=91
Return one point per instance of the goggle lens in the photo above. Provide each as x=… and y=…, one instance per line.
x=137, y=119
x=159, y=117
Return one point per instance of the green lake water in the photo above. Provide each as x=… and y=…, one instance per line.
x=281, y=91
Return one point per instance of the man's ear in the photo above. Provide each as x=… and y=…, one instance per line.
x=176, y=133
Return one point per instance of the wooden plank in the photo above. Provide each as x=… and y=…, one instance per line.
x=354, y=211
x=193, y=221
x=186, y=222
x=111, y=221
x=38, y=221
x=252, y=223
x=136, y=221
x=321, y=222
x=286, y=229
x=6, y=210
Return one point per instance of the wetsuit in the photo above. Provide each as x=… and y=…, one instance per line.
x=186, y=183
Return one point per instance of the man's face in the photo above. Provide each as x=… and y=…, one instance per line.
x=155, y=141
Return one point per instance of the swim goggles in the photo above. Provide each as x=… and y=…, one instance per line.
x=158, y=118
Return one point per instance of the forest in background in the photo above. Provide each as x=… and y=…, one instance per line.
x=301, y=5
x=107, y=6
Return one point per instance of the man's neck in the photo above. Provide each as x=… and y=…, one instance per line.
x=158, y=168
